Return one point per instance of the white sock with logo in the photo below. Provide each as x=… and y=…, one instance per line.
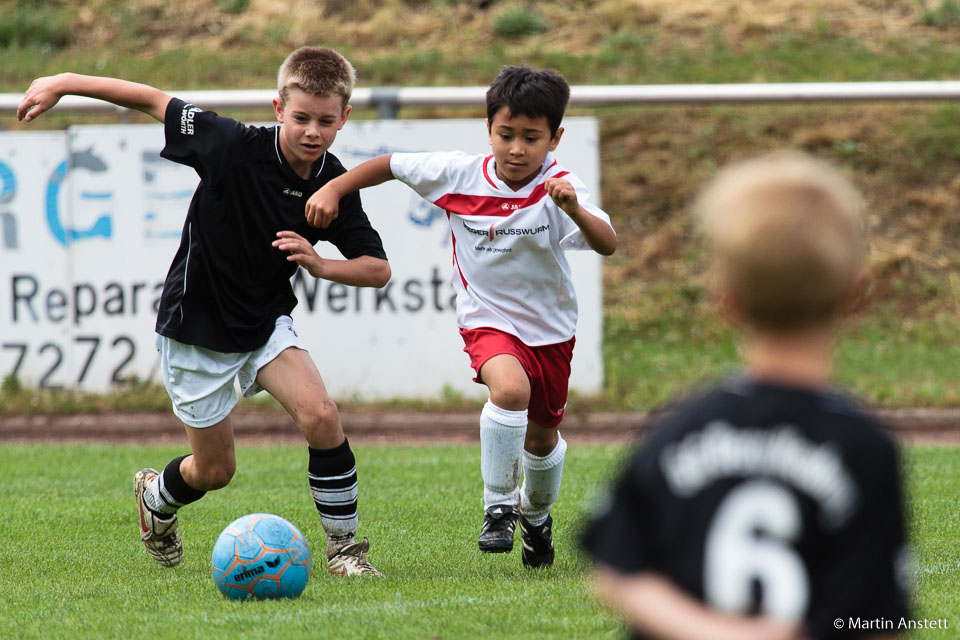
x=541, y=482
x=502, y=433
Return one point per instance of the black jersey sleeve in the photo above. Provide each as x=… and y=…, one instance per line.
x=352, y=234
x=619, y=535
x=202, y=139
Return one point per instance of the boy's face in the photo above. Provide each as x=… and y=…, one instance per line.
x=310, y=125
x=520, y=144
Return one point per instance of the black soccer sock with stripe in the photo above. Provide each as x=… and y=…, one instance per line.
x=333, y=482
x=172, y=490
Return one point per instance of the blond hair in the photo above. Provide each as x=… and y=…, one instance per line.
x=318, y=71
x=789, y=240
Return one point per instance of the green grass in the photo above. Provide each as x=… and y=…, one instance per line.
x=620, y=57
x=73, y=567
x=881, y=358
x=933, y=480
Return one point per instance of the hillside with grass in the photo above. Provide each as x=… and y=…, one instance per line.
x=905, y=156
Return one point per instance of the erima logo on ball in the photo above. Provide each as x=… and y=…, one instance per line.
x=274, y=564
x=246, y=574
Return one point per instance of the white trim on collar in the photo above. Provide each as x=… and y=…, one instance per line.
x=276, y=147
x=276, y=144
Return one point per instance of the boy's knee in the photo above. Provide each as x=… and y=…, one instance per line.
x=512, y=395
x=319, y=419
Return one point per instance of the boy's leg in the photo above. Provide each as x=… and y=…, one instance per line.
x=293, y=379
x=185, y=479
x=543, y=457
x=200, y=383
x=503, y=424
x=544, y=452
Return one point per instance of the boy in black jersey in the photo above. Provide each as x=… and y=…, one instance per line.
x=224, y=311
x=771, y=506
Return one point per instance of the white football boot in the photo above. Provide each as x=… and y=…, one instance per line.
x=161, y=536
x=351, y=560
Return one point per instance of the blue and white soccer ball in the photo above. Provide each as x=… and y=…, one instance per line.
x=261, y=556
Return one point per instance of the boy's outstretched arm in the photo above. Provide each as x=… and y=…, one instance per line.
x=44, y=93
x=365, y=271
x=323, y=207
x=659, y=608
x=598, y=234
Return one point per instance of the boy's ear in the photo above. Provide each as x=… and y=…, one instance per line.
x=555, y=140
x=278, y=109
x=727, y=302
x=857, y=292
x=343, y=116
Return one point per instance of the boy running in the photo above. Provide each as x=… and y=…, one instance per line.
x=512, y=214
x=771, y=506
x=226, y=302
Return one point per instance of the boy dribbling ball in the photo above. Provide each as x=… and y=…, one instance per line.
x=771, y=506
x=225, y=308
x=512, y=215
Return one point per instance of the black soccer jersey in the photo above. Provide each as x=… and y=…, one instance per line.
x=757, y=498
x=227, y=283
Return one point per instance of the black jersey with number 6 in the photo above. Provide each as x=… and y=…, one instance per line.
x=762, y=499
x=227, y=283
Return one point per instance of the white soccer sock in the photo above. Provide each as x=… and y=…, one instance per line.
x=541, y=483
x=151, y=496
x=501, y=446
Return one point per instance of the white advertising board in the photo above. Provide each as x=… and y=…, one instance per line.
x=90, y=219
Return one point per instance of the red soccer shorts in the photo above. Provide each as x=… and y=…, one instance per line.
x=547, y=367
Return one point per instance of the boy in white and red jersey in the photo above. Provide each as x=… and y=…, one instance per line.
x=512, y=214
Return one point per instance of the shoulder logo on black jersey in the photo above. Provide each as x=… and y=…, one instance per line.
x=290, y=192
x=187, y=115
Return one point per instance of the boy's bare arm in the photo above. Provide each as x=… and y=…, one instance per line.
x=365, y=271
x=44, y=93
x=323, y=207
x=659, y=608
x=596, y=232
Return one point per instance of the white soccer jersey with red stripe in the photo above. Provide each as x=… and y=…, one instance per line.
x=509, y=268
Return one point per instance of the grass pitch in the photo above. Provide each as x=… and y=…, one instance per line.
x=72, y=565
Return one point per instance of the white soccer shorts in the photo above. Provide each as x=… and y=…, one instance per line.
x=201, y=382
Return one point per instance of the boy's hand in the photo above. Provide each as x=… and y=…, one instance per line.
x=323, y=207
x=301, y=252
x=563, y=194
x=41, y=95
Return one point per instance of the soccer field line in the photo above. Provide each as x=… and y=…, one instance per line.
x=936, y=568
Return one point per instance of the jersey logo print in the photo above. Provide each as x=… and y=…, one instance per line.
x=290, y=192
x=187, y=116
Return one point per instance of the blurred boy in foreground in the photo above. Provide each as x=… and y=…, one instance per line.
x=770, y=506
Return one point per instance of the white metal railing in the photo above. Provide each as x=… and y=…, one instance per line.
x=387, y=100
